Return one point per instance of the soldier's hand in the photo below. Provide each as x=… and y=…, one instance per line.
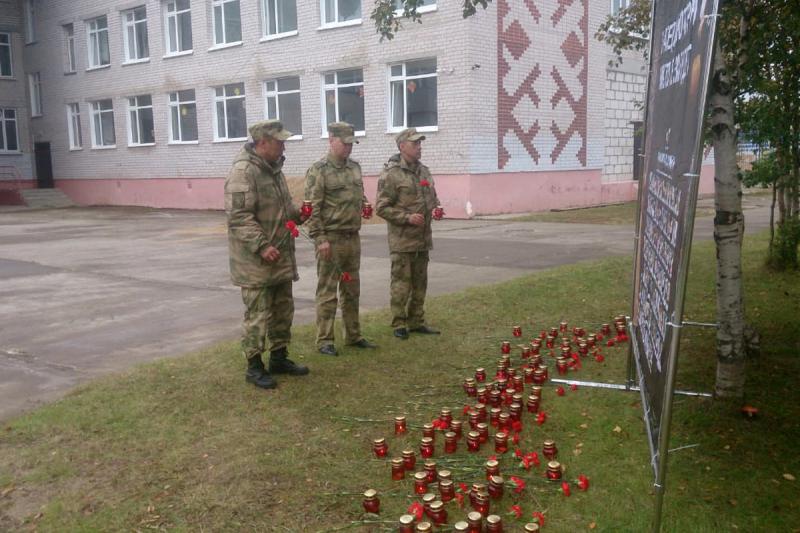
x=324, y=250
x=270, y=254
x=416, y=219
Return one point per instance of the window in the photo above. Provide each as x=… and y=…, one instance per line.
x=280, y=17
x=35, y=90
x=339, y=11
x=227, y=22
x=282, y=101
x=422, y=6
x=8, y=130
x=618, y=5
x=103, y=124
x=5, y=56
x=140, y=121
x=30, y=35
x=344, y=98
x=178, y=27
x=97, y=30
x=412, y=89
x=69, y=45
x=182, y=117
x=74, y=123
x=229, y=113
x=134, y=22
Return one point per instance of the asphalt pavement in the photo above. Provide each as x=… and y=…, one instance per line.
x=89, y=291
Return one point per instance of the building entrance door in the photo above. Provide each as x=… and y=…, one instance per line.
x=44, y=165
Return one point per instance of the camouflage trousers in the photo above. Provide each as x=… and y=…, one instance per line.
x=268, y=314
x=346, y=257
x=408, y=287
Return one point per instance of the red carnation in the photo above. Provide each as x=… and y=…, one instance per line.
x=574, y=386
x=515, y=438
x=517, y=510
x=416, y=509
x=599, y=358
x=519, y=482
x=463, y=487
x=583, y=482
x=610, y=343
x=346, y=277
x=518, y=453
x=565, y=488
x=460, y=499
x=538, y=517
x=533, y=457
x=425, y=183
x=516, y=425
x=290, y=224
x=560, y=391
x=541, y=417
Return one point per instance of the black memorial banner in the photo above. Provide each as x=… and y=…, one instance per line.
x=682, y=46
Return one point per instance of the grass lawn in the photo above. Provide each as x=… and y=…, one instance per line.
x=185, y=445
x=608, y=214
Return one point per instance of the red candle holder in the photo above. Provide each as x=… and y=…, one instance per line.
x=447, y=490
x=473, y=441
x=371, y=502
x=562, y=326
x=539, y=376
x=481, y=409
x=430, y=471
x=517, y=331
x=470, y=387
x=606, y=329
x=504, y=422
x=501, y=442
x=450, y=442
x=583, y=348
x=474, y=418
x=306, y=209
x=533, y=404
x=445, y=475
x=505, y=347
x=427, y=500
x=446, y=416
x=398, y=469
x=494, y=416
x=426, y=447
x=481, y=503
x=528, y=375
x=480, y=375
x=438, y=513
x=406, y=524
x=531, y=527
x=409, y=459
x=536, y=361
x=549, y=449
x=483, y=395
x=496, y=487
x=554, y=332
x=380, y=448
x=475, y=522
x=495, y=397
x=492, y=468
x=455, y=427
x=494, y=524
x=519, y=383
x=420, y=482
x=366, y=210
x=515, y=412
x=536, y=390
x=562, y=366
x=400, y=425
x=526, y=352
x=483, y=432
x=477, y=488
x=428, y=431
x=554, y=471
x=592, y=340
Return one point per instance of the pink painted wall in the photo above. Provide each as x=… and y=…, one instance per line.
x=462, y=196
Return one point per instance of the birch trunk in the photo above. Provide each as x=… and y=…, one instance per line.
x=728, y=232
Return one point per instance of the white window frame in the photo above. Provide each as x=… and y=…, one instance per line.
x=69, y=44
x=225, y=43
x=97, y=114
x=324, y=25
x=3, y=120
x=30, y=27
x=298, y=136
x=93, y=43
x=10, y=46
x=615, y=6
x=174, y=106
x=422, y=9
x=74, y=126
x=225, y=98
x=173, y=17
x=35, y=92
x=390, y=128
x=130, y=32
x=134, y=109
x=266, y=13
x=335, y=86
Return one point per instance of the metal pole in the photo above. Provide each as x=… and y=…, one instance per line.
x=625, y=387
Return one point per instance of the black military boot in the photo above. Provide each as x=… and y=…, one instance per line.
x=257, y=375
x=279, y=363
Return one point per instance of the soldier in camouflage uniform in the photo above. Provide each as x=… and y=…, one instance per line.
x=335, y=188
x=406, y=200
x=258, y=206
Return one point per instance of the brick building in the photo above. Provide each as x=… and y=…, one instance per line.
x=145, y=102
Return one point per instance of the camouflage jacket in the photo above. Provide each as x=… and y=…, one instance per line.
x=258, y=205
x=400, y=194
x=336, y=192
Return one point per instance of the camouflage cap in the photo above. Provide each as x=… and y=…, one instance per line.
x=269, y=128
x=344, y=131
x=409, y=134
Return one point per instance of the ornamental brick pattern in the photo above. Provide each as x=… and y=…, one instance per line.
x=542, y=63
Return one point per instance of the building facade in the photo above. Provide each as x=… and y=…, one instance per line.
x=146, y=102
